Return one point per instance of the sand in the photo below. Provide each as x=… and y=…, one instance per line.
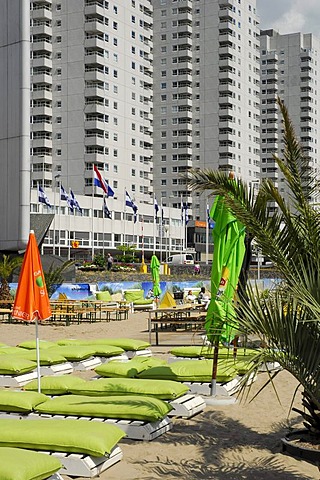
x=232, y=442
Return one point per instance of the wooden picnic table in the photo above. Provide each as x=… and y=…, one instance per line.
x=173, y=320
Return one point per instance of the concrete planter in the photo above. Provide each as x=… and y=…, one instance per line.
x=291, y=445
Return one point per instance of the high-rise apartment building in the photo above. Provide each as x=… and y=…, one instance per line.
x=206, y=93
x=91, y=93
x=289, y=69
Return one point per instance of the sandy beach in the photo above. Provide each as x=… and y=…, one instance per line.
x=231, y=442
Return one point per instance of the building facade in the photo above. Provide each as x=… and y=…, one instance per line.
x=289, y=68
x=206, y=94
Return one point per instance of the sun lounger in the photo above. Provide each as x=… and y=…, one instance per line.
x=16, y=371
x=85, y=449
x=18, y=463
x=197, y=374
x=131, y=347
x=140, y=417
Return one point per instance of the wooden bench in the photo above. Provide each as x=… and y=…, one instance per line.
x=190, y=323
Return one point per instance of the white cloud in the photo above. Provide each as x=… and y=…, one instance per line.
x=290, y=16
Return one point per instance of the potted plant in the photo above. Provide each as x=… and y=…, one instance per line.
x=287, y=231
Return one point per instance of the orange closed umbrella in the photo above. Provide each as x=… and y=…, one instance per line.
x=32, y=300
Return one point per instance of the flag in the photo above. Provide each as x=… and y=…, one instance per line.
x=156, y=207
x=74, y=202
x=98, y=181
x=110, y=192
x=42, y=197
x=63, y=194
x=162, y=216
x=106, y=211
x=130, y=203
x=210, y=222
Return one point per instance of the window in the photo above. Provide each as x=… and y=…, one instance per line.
x=58, y=39
x=59, y=136
x=58, y=55
x=58, y=23
x=133, y=172
x=58, y=6
x=59, y=103
x=59, y=151
x=58, y=120
x=58, y=87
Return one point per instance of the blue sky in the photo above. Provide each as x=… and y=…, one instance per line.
x=290, y=16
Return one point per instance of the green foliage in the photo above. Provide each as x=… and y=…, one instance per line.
x=99, y=260
x=287, y=320
x=8, y=266
x=128, y=253
x=53, y=277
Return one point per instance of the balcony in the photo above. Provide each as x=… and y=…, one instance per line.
x=94, y=42
x=95, y=25
x=41, y=30
x=94, y=158
x=41, y=94
x=94, y=91
x=41, y=78
x=41, y=127
x=41, y=45
x=41, y=142
x=92, y=140
x=94, y=9
x=92, y=75
x=41, y=62
x=42, y=110
x=41, y=13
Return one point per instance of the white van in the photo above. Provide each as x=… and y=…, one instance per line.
x=180, y=259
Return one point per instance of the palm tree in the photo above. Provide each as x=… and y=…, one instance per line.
x=53, y=277
x=289, y=320
x=8, y=266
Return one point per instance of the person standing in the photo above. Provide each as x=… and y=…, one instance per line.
x=109, y=261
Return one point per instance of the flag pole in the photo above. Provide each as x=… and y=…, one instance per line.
x=38, y=355
x=154, y=225
x=160, y=230
x=69, y=235
x=92, y=221
x=124, y=218
x=207, y=235
x=59, y=241
x=103, y=226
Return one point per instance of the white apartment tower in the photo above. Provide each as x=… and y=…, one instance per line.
x=289, y=68
x=91, y=94
x=206, y=94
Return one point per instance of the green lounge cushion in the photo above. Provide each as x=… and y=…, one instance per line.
x=163, y=389
x=15, y=401
x=104, y=296
x=136, y=297
x=20, y=464
x=73, y=353
x=207, y=352
x=133, y=407
x=31, y=344
x=124, y=343
x=15, y=365
x=190, y=371
x=120, y=369
x=46, y=356
x=55, y=435
x=12, y=350
x=55, y=385
x=106, y=350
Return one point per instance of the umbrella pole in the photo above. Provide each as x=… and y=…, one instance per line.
x=213, y=388
x=38, y=356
